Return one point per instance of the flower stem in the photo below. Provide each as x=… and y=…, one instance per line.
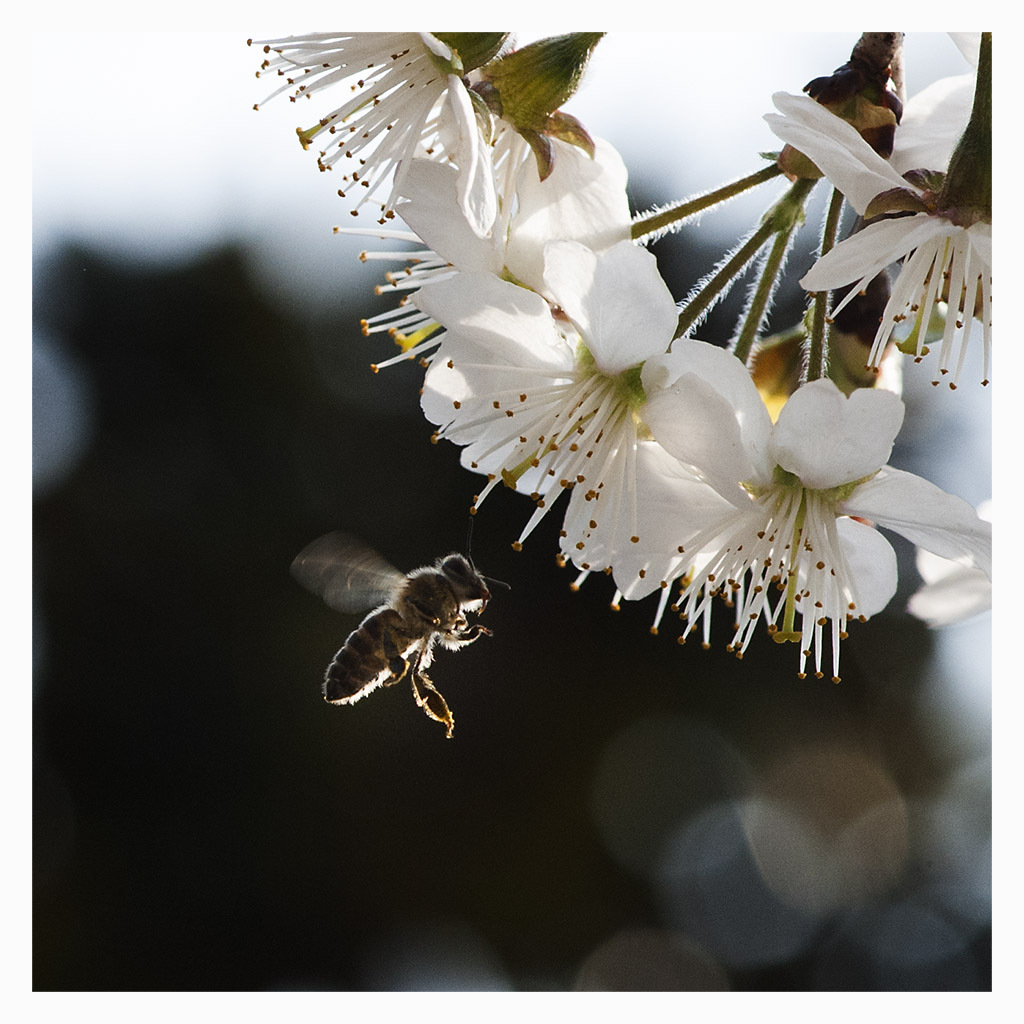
x=716, y=286
x=784, y=219
x=817, y=352
x=654, y=223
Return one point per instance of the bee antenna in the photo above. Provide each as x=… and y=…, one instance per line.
x=469, y=558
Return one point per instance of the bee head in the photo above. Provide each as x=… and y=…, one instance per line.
x=467, y=583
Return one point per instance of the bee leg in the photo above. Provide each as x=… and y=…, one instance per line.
x=398, y=667
x=430, y=699
x=398, y=664
x=459, y=637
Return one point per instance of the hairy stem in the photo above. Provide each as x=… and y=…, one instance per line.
x=657, y=222
x=817, y=352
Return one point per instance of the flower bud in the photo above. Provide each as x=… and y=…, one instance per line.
x=859, y=93
x=528, y=86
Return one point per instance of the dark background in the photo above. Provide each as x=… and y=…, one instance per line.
x=203, y=820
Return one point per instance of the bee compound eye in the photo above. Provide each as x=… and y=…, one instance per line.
x=457, y=567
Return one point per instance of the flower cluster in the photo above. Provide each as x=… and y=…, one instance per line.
x=558, y=360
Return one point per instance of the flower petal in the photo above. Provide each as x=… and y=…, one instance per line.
x=431, y=208
x=872, y=249
x=980, y=236
x=500, y=345
x=955, y=596
x=704, y=408
x=872, y=564
x=835, y=146
x=968, y=43
x=583, y=199
x=925, y=514
x=827, y=439
x=673, y=505
x=623, y=308
x=726, y=375
x=933, y=121
x=477, y=197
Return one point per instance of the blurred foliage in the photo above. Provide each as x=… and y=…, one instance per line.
x=203, y=821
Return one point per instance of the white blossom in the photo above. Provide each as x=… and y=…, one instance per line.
x=409, y=99
x=943, y=260
x=583, y=199
x=780, y=525
x=546, y=399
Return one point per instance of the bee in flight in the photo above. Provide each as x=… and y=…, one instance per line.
x=414, y=612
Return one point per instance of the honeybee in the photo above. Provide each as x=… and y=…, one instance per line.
x=414, y=612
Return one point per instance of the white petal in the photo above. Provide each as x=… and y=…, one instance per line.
x=835, y=146
x=934, y=568
x=698, y=426
x=872, y=249
x=601, y=519
x=477, y=197
x=513, y=322
x=435, y=45
x=728, y=376
x=624, y=310
x=872, y=564
x=500, y=342
x=432, y=210
x=925, y=514
x=583, y=199
x=673, y=505
x=933, y=121
x=981, y=241
x=968, y=43
x=956, y=596
x=827, y=439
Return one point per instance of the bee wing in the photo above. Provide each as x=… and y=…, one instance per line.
x=347, y=574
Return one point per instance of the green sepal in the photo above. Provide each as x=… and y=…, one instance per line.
x=535, y=81
x=543, y=150
x=896, y=200
x=967, y=194
x=795, y=165
x=926, y=181
x=484, y=117
x=472, y=49
x=568, y=128
x=560, y=126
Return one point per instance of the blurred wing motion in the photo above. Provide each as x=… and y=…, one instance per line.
x=347, y=574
